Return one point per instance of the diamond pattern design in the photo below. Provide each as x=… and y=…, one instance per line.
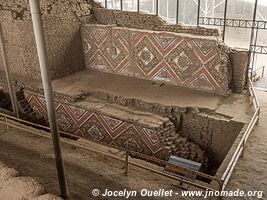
x=114, y=52
x=147, y=56
x=102, y=128
x=95, y=133
x=78, y=112
x=98, y=33
x=140, y=54
x=152, y=135
x=164, y=40
x=112, y=122
x=63, y=123
x=183, y=61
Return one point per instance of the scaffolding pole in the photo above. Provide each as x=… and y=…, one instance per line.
x=47, y=85
x=8, y=79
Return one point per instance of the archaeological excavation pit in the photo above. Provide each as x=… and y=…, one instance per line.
x=148, y=121
x=130, y=80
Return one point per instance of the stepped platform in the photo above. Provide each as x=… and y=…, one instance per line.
x=155, y=119
x=129, y=91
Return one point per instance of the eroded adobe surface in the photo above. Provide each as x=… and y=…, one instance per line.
x=61, y=20
x=196, y=60
x=147, y=119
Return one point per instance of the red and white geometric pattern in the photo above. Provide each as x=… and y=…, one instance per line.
x=101, y=128
x=159, y=56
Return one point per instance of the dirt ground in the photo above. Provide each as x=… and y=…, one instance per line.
x=251, y=170
x=32, y=156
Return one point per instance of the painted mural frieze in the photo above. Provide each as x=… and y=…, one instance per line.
x=159, y=56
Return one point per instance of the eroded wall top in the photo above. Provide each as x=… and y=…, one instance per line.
x=145, y=21
x=50, y=8
x=61, y=21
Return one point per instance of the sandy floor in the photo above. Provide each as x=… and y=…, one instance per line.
x=251, y=171
x=31, y=156
x=13, y=186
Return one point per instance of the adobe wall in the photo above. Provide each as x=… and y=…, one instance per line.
x=179, y=59
x=204, y=127
x=185, y=129
x=155, y=138
x=240, y=62
x=145, y=21
x=214, y=134
x=61, y=21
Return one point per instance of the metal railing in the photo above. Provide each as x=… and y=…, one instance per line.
x=18, y=123
x=262, y=72
x=237, y=23
x=222, y=182
x=259, y=49
x=240, y=148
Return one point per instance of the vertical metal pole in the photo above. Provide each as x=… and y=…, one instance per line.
x=106, y=3
x=42, y=54
x=7, y=128
x=121, y=5
x=138, y=6
x=127, y=163
x=253, y=54
x=157, y=7
x=225, y=18
x=252, y=41
x=198, y=12
x=177, y=12
x=220, y=188
x=8, y=79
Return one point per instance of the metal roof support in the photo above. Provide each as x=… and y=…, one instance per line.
x=48, y=91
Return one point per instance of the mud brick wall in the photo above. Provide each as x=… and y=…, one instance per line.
x=145, y=21
x=61, y=21
x=214, y=134
x=193, y=62
x=158, y=140
x=239, y=59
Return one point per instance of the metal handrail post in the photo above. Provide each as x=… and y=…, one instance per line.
x=7, y=128
x=12, y=94
x=127, y=163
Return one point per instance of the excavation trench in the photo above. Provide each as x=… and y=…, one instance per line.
x=192, y=133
